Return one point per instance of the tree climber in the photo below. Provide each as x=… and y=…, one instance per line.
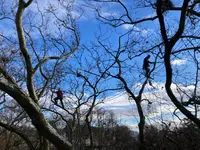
x=165, y=5
x=146, y=65
x=59, y=94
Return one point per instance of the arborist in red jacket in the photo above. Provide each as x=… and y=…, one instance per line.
x=59, y=94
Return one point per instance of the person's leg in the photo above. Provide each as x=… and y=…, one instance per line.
x=56, y=100
x=147, y=72
x=61, y=101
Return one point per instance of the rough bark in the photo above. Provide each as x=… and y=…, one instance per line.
x=22, y=44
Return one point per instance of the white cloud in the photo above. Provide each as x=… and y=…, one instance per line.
x=161, y=108
x=153, y=14
x=179, y=62
x=127, y=26
x=108, y=14
x=120, y=99
x=142, y=32
x=125, y=110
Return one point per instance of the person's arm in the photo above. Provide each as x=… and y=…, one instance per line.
x=151, y=62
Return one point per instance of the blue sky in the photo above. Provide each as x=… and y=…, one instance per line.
x=89, y=29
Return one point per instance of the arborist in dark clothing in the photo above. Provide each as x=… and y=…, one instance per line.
x=59, y=94
x=146, y=65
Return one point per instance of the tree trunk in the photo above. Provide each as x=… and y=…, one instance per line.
x=44, y=143
x=90, y=133
x=169, y=44
x=141, y=126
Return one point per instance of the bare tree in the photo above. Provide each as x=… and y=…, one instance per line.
x=35, y=61
x=167, y=46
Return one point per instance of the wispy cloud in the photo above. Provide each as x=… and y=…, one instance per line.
x=108, y=14
x=179, y=62
x=127, y=26
x=153, y=14
x=125, y=110
x=161, y=109
x=141, y=31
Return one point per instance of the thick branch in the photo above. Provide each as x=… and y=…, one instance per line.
x=181, y=27
x=162, y=23
x=168, y=49
x=22, y=44
x=53, y=58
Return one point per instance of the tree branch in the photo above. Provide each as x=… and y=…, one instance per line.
x=23, y=48
x=20, y=133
